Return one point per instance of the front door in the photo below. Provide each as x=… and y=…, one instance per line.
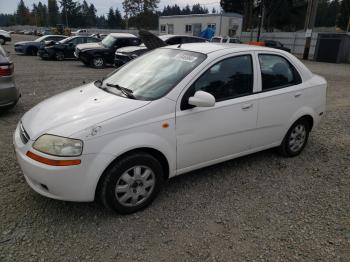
x=207, y=135
x=197, y=29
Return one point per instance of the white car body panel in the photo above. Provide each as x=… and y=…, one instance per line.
x=111, y=126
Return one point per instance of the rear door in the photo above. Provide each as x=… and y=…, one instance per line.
x=280, y=98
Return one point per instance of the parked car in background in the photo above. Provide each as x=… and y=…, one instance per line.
x=168, y=112
x=4, y=37
x=98, y=55
x=100, y=36
x=9, y=92
x=32, y=47
x=84, y=32
x=150, y=42
x=45, y=31
x=227, y=39
x=64, y=49
x=277, y=45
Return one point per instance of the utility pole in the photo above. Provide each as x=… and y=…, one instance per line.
x=261, y=18
x=309, y=25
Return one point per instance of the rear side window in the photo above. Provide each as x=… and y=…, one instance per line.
x=230, y=78
x=277, y=72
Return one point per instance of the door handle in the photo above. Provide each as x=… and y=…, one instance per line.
x=247, y=106
x=297, y=95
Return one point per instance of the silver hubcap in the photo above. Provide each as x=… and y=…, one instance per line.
x=135, y=185
x=297, y=138
x=98, y=61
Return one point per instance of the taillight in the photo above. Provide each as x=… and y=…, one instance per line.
x=6, y=70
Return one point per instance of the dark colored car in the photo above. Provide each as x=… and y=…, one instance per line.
x=277, y=45
x=125, y=54
x=98, y=55
x=9, y=93
x=65, y=49
x=32, y=47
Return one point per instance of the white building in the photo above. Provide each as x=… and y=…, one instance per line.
x=225, y=24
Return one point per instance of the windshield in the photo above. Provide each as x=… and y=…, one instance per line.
x=154, y=74
x=108, y=41
x=66, y=40
x=41, y=38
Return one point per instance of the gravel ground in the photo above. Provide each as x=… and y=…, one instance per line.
x=261, y=207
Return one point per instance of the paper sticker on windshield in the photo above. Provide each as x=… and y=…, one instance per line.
x=185, y=58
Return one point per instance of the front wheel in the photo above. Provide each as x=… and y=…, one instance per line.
x=131, y=183
x=98, y=62
x=59, y=56
x=295, y=139
x=2, y=41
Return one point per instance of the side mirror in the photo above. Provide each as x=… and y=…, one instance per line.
x=202, y=99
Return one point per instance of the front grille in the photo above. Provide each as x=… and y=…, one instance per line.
x=23, y=134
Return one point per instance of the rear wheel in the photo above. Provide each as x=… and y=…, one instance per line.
x=295, y=139
x=2, y=41
x=59, y=56
x=98, y=62
x=131, y=183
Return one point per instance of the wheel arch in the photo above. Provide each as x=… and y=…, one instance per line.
x=149, y=150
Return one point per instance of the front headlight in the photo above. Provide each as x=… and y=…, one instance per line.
x=58, y=146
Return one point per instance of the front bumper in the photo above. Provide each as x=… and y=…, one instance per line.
x=70, y=183
x=20, y=49
x=121, y=59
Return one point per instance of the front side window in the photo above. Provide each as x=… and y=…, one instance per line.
x=232, y=77
x=277, y=72
x=154, y=74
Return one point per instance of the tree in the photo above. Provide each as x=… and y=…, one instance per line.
x=53, y=12
x=327, y=13
x=344, y=14
x=69, y=11
x=213, y=11
x=198, y=9
x=118, y=19
x=136, y=7
x=244, y=7
x=22, y=14
x=111, y=18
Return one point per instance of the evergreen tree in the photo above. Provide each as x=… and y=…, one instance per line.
x=344, y=14
x=111, y=19
x=22, y=14
x=53, y=13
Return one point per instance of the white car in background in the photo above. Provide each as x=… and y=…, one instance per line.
x=168, y=112
x=80, y=32
x=4, y=37
x=226, y=40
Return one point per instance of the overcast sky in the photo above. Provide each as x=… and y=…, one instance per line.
x=102, y=6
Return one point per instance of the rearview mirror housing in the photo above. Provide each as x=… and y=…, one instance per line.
x=202, y=99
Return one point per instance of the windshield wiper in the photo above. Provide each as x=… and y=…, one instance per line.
x=126, y=91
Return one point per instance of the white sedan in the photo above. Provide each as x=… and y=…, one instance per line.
x=170, y=111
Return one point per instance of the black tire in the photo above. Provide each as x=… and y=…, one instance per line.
x=5, y=108
x=106, y=192
x=2, y=40
x=289, y=148
x=59, y=56
x=98, y=62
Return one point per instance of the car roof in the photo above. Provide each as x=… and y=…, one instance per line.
x=123, y=35
x=207, y=48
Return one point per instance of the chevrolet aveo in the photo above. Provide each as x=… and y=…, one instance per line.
x=173, y=110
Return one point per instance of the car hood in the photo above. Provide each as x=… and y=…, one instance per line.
x=89, y=46
x=75, y=110
x=130, y=49
x=26, y=43
x=150, y=40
